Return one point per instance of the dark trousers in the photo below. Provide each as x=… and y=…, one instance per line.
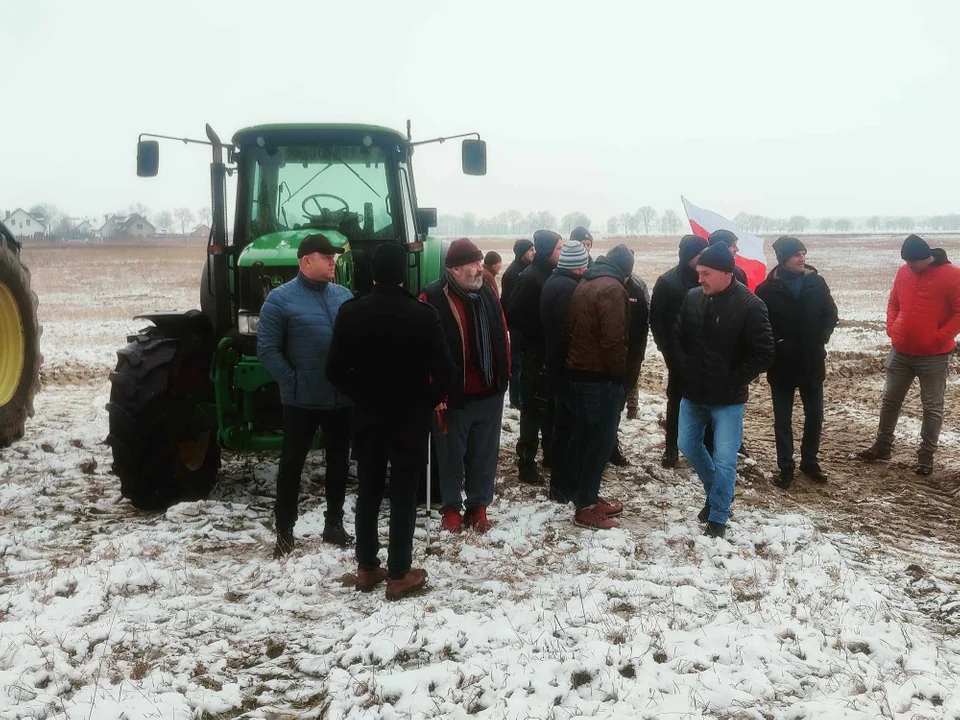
x=516, y=375
x=596, y=414
x=401, y=440
x=299, y=428
x=811, y=394
x=536, y=417
x=674, y=396
x=563, y=479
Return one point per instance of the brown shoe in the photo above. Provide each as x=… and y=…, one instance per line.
x=609, y=507
x=409, y=584
x=367, y=580
x=593, y=519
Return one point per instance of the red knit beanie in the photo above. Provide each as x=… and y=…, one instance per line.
x=462, y=252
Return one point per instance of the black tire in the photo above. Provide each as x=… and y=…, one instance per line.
x=160, y=377
x=15, y=408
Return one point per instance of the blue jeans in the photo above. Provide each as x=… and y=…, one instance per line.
x=596, y=416
x=718, y=473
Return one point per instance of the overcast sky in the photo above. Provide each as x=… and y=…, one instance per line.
x=817, y=108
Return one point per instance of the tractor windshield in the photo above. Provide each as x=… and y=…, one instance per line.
x=343, y=188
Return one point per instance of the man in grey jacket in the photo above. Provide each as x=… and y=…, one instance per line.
x=293, y=341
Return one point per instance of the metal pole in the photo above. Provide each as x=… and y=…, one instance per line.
x=429, y=483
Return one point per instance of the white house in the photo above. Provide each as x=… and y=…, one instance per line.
x=24, y=225
x=132, y=226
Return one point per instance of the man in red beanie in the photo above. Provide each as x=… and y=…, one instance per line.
x=466, y=433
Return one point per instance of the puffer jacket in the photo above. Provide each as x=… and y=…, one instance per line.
x=599, y=326
x=293, y=341
x=923, y=312
x=721, y=343
x=555, y=316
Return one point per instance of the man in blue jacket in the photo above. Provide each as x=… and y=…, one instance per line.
x=293, y=341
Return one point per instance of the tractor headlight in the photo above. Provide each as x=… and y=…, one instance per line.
x=249, y=324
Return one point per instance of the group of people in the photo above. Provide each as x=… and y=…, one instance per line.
x=567, y=334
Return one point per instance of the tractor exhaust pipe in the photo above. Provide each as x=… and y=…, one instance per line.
x=217, y=245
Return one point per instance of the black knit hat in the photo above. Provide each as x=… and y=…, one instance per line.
x=786, y=247
x=492, y=258
x=520, y=248
x=317, y=243
x=389, y=265
x=722, y=236
x=915, y=248
x=690, y=247
x=718, y=257
x=580, y=234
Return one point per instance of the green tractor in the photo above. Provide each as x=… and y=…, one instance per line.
x=19, y=341
x=191, y=385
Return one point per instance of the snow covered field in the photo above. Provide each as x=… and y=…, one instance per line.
x=835, y=602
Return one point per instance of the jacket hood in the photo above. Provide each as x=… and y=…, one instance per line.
x=520, y=248
x=604, y=268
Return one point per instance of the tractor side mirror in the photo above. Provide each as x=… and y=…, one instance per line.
x=427, y=218
x=473, y=157
x=148, y=158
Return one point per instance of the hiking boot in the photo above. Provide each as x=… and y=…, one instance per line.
x=409, y=584
x=785, y=480
x=285, y=544
x=451, y=521
x=476, y=519
x=531, y=476
x=608, y=507
x=617, y=459
x=875, y=452
x=704, y=515
x=671, y=456
x=924, y=469
x=631, y=413
x=334, y=533
x=742, y=451
x=715, y=530
x=593, y=519
x=367, y=580
x=813, y=471
x=558, y=497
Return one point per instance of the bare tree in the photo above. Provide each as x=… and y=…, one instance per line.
x=647, y=217
x=164, y=221
x=545, y=221
x=204, y=215
x=613, y=224
x=874, y=222
x=843, y=225
x=184, y=218
x=574, y=220
x=670, y=223
x=47, y=213
x=514, y=218
x=798, y=223
x=740, y=219
x=826, y=224
x=628, y=223
x=137, y=208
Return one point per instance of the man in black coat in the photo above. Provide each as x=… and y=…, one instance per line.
x=555, y=316
x=526, y=327
x=722, y=341
x=523, y=253
x=668, y=294
x=803, y=316
x=389, y=354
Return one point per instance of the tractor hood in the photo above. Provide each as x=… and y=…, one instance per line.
x=280, y=249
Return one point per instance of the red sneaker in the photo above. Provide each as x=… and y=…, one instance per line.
x=593, y=519
x=451, y=521
x=608, y=507
x=476, y=518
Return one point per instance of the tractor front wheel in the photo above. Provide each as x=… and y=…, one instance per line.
x=19, y=344
x=160, y=454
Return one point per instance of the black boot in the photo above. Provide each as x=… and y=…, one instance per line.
x=631, y=413
x=813, y=471
x=875, y=452
x=704, y=514
x=670, y=458
x=786, y=478
x=285, y=544
x=529, y=475
x=924, y=468
x=715, y=530
x=617, y=458
x=334, y=533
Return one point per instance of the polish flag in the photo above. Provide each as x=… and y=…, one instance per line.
x=750, y=256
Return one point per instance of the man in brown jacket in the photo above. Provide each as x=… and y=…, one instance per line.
x=596, y=365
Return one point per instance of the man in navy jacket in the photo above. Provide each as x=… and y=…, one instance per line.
x=293, y=341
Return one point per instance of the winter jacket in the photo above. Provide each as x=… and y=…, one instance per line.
x=438, y=295
x=599, y=325
x=923, y=313
x=491, y=280
x=639, y=329
x=801, y=326
x=509, y=279
x=721, y=343
x=668, y=294
x=293, y=340
x=523, y=307
x=390, y=323
x=555, y=317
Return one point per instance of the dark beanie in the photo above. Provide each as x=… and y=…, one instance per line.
x=389, y=265
x=690, y=247
x=462, y=252
x=621, y=257
x=786, y=247
x=545, y=241
x=915, y=248
x=492, y=258
x=580, y=234
x=520, y=248
x=718, y=257
x=722, y=236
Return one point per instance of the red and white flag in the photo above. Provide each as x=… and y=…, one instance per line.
x=750, y=256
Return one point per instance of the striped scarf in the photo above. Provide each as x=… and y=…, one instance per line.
x=478, y=321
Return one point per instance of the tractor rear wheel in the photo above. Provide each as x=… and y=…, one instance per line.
x=160, y=454
x=20, y=332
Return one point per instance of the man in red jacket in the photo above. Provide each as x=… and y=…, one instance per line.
x=923, y=319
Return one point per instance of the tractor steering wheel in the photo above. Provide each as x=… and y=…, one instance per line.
x=320, y=208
